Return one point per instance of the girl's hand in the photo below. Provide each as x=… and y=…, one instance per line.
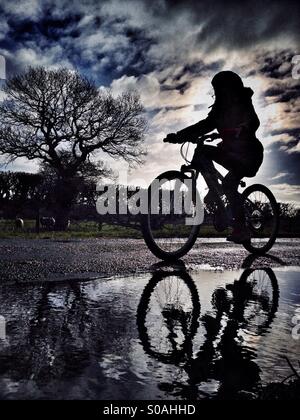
x=172, y=138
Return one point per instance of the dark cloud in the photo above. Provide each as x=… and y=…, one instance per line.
x=275, y=65
x=207, y=25
x=295, y=132
x=200, y=67
x=283, y=94
x=230, y=24
x=285, y=162
x=182, y=87
x=66, y=31
x=48, y=27
x=240, y=24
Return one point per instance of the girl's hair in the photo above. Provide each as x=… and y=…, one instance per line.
x=227, y=82
x=227, y=79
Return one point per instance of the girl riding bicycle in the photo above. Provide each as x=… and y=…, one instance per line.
x=240, y=152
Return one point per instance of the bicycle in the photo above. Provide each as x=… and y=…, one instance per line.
x=165, y=230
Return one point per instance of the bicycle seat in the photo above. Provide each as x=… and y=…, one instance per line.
x=187, y=168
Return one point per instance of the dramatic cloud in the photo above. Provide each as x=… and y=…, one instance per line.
x=168, y=50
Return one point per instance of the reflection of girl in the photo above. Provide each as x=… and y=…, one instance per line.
x=240, y=152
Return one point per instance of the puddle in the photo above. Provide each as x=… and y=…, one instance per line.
x=169, y=334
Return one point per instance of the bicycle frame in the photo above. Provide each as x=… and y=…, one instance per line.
x=204, y=172
x=194, y=176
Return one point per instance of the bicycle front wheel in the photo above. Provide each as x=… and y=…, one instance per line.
x=167, y=316
x=172, y=224
x=262, y=218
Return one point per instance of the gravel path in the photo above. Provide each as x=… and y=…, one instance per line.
x=56, y=260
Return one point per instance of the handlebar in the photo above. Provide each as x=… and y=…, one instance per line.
x=200, y=140
x=207, y=137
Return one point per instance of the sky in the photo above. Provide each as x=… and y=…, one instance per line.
x=169, y=51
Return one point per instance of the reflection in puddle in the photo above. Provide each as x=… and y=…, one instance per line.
x=169, y=334
x=168, y=319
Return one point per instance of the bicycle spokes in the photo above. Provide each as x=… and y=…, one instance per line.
x=169, y=226
x=262, y=300
x=261, y=218
x=167, y=316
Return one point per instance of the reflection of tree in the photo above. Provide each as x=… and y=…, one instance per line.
x=57, y=340
x=249, y=304
x=61, y=340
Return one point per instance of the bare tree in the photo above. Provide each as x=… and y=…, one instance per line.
x=61, y=119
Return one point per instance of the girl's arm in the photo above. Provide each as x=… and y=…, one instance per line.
x=198, y=129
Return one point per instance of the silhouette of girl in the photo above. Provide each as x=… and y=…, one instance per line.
x=240, y=152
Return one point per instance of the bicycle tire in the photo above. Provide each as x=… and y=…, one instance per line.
x=249, y=245
x=146, y=227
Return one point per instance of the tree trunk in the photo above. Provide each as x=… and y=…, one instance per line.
x=37, y=220
x=66, y=192
x=62, y=218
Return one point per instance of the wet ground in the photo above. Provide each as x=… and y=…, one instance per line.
x=45, y=259
x=72, y=326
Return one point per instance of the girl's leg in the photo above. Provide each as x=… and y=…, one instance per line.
x=240, y=232
x=203, y=159
x=232, y=163
x=230, y=186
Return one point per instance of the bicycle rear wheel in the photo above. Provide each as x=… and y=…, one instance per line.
x=261, y=298
x=171, y=202
x=262, y=218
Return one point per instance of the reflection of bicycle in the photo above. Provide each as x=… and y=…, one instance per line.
x=168, y=314
x=245, y=308
x=254, y=299
x=165, y=229
x=169, y=310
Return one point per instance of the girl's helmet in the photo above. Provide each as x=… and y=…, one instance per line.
x=228, y=80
